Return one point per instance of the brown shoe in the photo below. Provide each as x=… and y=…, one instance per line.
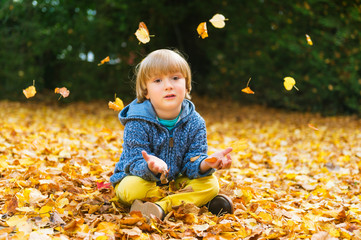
x=220, y=205
x=147, y=209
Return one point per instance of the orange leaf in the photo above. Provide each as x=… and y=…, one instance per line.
x=104, y=61
x=202, y=30
x=117, y=105
x=142, y=33
x=62, y=91
x=211, y=160
x=247, y=90
x=29, y=92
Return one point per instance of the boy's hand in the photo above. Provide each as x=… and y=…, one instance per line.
x=156, y=165
x=218, y=160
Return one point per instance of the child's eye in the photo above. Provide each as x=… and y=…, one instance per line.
x=157, y=80
x=175, y=78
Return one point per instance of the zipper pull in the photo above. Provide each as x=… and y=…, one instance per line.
x=171, y=142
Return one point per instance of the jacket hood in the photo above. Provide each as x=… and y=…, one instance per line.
x=146, y=111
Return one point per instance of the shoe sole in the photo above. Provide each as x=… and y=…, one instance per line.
x=147, y=209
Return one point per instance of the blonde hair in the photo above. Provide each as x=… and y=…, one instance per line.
x=161, y=62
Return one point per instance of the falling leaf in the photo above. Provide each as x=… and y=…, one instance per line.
x=104, y=61
x=142, y=33
x=247, y=89
x=312, y=126
x=117, y=105
x=202, y=30
x=218, y=21
x=30, y=91
x=309, y=41
x=289, y=83
x=62, y=91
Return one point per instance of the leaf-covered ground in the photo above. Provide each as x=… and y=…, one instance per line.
x=294, y=176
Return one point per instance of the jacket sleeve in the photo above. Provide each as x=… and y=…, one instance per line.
x=135, y=140
x=197, y=151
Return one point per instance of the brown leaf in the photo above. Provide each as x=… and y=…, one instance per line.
x=11, y=205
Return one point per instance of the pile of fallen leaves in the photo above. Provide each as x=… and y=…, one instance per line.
x=294, y=175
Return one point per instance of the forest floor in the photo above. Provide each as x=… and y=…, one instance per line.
x=294, y=175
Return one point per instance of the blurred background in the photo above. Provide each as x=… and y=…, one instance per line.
x=59, y=43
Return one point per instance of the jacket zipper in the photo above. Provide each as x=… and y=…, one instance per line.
x=171, y=141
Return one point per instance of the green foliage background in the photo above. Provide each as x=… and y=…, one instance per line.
x=48, y=41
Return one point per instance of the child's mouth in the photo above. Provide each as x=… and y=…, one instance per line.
x=170, y=96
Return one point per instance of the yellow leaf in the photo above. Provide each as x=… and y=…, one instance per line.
x=118, y=105
x=46, y=210
x=264, y=216
x=103, y=237
x=218, y=21
x=16, y=219
x=62, y=202
x=29, y=92
x=107, y=227
x=289, y=83
x=309, y=41
x=142, y=33
x=3, y=165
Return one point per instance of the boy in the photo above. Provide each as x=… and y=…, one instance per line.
x=164, y=135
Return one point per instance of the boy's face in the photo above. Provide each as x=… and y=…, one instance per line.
x=166, y=93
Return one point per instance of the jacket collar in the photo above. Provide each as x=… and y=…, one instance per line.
x=146, y=111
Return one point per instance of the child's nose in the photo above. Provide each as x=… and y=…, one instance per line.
x=168, y=83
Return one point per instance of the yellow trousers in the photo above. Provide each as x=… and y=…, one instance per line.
x=133, y=187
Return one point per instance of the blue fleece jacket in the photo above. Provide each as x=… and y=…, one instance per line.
x=186, y=141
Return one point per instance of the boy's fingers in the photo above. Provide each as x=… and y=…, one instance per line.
x=145, y=155
x=227, y=150
x=228, y=164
